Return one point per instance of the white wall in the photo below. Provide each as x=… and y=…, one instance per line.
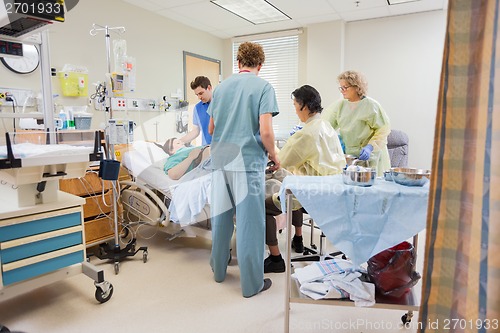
x=156, y=42
x=401, y=58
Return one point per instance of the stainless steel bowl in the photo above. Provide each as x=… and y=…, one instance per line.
x=410, y=176
x=359, y=178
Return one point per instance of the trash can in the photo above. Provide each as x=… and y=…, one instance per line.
x=392, y=270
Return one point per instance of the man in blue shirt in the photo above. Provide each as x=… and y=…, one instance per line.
x=203, y=90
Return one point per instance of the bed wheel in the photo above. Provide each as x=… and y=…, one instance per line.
x=4, y=329
x=103, y=296
x=145, y=256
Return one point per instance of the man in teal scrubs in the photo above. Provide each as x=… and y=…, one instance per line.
x=241, y=114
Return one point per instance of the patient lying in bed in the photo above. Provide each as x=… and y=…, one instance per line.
x=182, y=159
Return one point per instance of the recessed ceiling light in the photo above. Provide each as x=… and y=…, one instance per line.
x=254, y=11
x=397, y=2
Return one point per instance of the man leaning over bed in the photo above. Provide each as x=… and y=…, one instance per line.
x=203, y=90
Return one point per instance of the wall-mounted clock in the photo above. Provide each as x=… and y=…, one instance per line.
x=25, y=64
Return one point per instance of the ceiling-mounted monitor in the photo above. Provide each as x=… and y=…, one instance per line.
x=22, y=17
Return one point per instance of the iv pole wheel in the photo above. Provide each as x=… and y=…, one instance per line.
x=117, y=268
x=406, y=318
x=145, y=256
x=102, y=296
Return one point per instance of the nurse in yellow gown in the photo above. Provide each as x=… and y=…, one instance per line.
x=361, y=122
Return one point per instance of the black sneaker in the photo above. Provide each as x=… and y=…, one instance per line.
x=298, y=244
x=274, y=266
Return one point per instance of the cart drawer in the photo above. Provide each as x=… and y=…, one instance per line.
x=39, y=225
x=27, y=268
x=27, y=247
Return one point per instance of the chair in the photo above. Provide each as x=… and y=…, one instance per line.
x=397, y=144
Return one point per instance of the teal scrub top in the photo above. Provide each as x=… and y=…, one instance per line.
x=179, y=156
x=237, y=103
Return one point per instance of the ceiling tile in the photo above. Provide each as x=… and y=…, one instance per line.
x=144, y=4
x=365, y=14
x=206, y=14
x=350, y=5
x=305, y=21
x=297, y=9
x=203, y=15
x=175, y=3
x=416, y=6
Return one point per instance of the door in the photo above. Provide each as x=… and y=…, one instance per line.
x=198, y=65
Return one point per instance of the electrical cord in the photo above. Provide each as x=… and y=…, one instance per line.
x=12, y=99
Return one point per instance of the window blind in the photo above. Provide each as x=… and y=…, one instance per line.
x=280, y=69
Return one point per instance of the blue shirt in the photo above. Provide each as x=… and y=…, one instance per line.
x=201, y=119
x=236, y=107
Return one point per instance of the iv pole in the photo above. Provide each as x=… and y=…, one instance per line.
x=106, y=251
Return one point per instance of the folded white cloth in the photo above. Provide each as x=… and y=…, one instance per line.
x=321, y=269
x=319, y=290
x=337, y=279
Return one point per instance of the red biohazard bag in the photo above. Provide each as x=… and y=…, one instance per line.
x=392, y=270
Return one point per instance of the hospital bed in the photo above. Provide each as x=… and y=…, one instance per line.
x=153, y=198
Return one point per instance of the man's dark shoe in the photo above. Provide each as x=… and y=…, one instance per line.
x=267, y=284
x=298, y=244
x=271, y=266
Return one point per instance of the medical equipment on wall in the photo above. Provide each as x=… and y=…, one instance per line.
x=121, y=131
x=182, y=117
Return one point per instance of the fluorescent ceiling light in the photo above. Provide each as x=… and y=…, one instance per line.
x=254, y=11
x=397, y=2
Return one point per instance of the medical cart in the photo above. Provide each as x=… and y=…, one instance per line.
x=391, y=207
x=42, y=237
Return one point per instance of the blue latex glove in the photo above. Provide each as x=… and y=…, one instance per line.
x=342, y=144
x=365, y=153
x=295, y=129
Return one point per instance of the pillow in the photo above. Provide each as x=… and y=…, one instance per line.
x=149, y=151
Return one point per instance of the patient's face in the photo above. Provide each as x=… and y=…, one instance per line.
x=176, y=144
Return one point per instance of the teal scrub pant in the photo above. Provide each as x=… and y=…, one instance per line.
x=241, y=193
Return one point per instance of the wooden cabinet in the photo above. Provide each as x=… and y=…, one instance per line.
x=98, y=208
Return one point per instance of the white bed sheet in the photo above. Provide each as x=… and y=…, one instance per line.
x=145, y=162
x=189, y=195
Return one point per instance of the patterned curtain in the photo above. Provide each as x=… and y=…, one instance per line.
x=461, y=286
